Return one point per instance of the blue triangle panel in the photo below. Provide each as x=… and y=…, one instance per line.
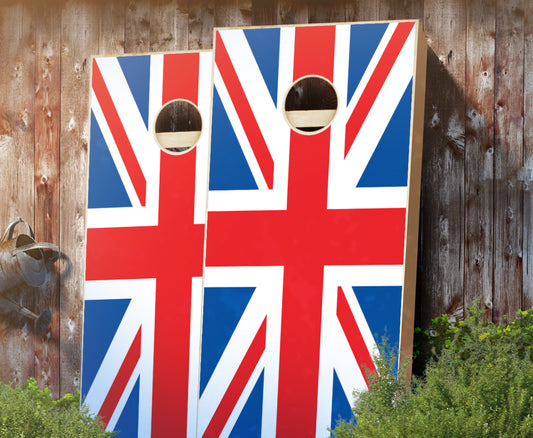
x=100, y=323
x=223, y=308
x=341, y=408
x=265, y=47
x=382, y=307
x=136, y=69
x=248, y=424
x=389, y=165
x=105, y=185
x=128, y=423
x=364, y=40
x=229, y=169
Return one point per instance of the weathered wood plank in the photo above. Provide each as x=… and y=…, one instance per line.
x=201, y=22
x=330, y=12
x=442, y=244
x=169, y=25
x=401, y=9
x=137, y=27
x=111, y=27
x=291, y=12
x=527, y=172
x=47, y=123
x=508, y=156
x=79, y=37
x=16, y=172
x=263, y=12
x=479, y=152
x=363, y=10
x=233, y=13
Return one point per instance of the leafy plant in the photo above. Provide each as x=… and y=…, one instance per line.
x=478, y=383
x=29, y=412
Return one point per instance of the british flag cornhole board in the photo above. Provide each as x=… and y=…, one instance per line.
x=312, y=229
x=145, y=243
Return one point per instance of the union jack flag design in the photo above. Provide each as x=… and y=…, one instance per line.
x=145, y=246
x=306, y=233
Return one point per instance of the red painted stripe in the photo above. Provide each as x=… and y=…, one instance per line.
x=244, y=111
x=236, y=387
x=376, y=82
x=119, y=134
x=354, y=336
x=121, y=379
x=314, y=51
x=180, y=77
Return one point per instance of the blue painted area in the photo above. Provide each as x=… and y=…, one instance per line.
x=229, y=169
x=389, y=164
x=128, y=423
x=341, y=408
x=136, y=69
x=100, y=323
x=248, y=424
x=105, y=185
x=364, y=40
x=223, y=308
x=382, y=307
x=265, y=47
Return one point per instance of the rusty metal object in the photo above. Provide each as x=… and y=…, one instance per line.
x=23, y=263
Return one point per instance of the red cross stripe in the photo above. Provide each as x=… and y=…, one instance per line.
x=172, y=253
x=303, y=239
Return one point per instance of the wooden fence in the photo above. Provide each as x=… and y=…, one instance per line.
x=476, y=209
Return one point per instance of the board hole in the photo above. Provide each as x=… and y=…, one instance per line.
x=310, y=104
x=178, y=126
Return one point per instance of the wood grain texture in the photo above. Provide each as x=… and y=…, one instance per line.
x=201, y=23
x=362, y=10
x=401, y=9
x=441, y=288
x=233, y=13
x=508, y=156
x=331, y=12
x=263, y=12
x=169, y=25
x=79, y=41
x=479, y=153
x=17, y=172
x=47, y=173
x=137, y=26
x=291, y=12
x=527, y=170
x=111, y=27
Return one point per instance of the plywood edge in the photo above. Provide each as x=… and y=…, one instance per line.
x=413, y=202
x=310, y=118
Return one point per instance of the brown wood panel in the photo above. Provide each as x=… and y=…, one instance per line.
x=330, y=12
x=137, y=26
x=527, y=171
x=17, y=172
x=111, y=27
x=47, y=123
x=442, y=270
x=169, y=25
x=79, y=41
x=233, y=13
x=479, y=152
x=362, y=10
x=401, y=9
x=201, y=22
x=291, y=12
x=263, y=12
x=508, y=156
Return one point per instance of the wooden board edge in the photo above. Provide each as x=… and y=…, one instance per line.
x=413, y=203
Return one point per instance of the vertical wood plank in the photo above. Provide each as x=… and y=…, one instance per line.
x=401, y=9
x=291, y=12
x=111, y=27
x=326, y=12
x=47, y=121
x=201, y=22
x=527, y=173
x=442, y=244
x=362, y=10
x=16, y=172
x=479, y=152
x=263, y=12
x=137, y=27
x=79, y=35
x=233, y=13
x=169, y=25
x=508, y=156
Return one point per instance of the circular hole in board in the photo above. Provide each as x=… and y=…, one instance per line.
x=178, y=126
x=310, y=104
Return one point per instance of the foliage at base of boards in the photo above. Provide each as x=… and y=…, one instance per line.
x=29, y=412
x=479, y=383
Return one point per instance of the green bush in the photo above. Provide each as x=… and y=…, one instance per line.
x=29, y=412
x=479, y=383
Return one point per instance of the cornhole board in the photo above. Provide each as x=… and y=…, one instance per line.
x=312, y=231
x=145, y=244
